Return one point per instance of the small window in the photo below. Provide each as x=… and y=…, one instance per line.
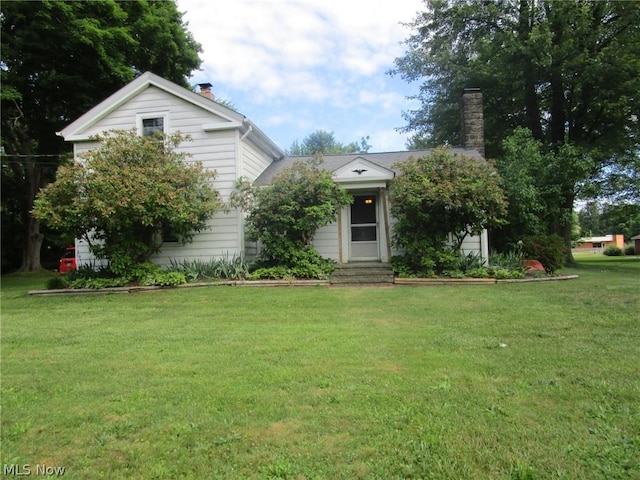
x=152, y=126
x=169, y=237
x=152, y=123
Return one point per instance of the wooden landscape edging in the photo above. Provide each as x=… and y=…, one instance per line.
x=477, y=281
x=296, y=283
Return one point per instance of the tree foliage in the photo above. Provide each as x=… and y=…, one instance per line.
x=286, y=215
x=59, y=59
x=534, y=178
x=126, y=194
x=324, y=142
x=566, y=70
x=442, y=195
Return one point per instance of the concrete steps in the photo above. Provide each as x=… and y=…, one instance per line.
x=362, y=273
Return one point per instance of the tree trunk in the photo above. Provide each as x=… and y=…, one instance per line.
x=32, y=240
x=31, y=246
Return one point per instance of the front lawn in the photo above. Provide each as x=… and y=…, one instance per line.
x=513, y=381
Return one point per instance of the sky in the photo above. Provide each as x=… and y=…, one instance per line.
x=296, y=66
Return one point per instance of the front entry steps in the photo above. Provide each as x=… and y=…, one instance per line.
x=362, y=273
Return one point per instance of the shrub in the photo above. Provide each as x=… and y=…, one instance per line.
x=402, y=267
x=504, y=274
x=299, y=263
x=629, y=250
x=480, y=272
x=550, y=250
x=286, y=215
x=97, y=283
x=613, y=251
x=58, y=283
x=271, y=273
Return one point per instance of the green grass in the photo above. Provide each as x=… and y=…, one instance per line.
x=512, y=381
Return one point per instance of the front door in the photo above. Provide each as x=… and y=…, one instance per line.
x=363, y=231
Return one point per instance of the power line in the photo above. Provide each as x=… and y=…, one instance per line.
x=36, y=155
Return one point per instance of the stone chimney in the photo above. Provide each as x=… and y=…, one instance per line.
x=205, y=90
x=472, y=120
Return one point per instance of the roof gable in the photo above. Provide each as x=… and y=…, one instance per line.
x=75, y=131
x=361, y=169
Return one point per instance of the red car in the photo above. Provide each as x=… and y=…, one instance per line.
x=68, y=260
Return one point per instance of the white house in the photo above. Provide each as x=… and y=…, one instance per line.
x=229, y=143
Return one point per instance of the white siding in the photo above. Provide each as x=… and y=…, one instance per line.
x=220, y=240
x=327, y=241
x=217, y=150
x=476, y=244
x=254, y=161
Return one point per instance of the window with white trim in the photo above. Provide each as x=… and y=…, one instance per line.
x=150, y=124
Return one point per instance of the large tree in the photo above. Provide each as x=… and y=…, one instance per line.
x=566, y=70
x=58, y=60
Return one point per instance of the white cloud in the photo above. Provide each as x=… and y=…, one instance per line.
x=303, y=56
x=260, y=43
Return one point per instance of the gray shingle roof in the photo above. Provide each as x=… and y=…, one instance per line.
x=334, y=162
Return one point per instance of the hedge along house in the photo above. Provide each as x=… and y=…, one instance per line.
x=229, y=143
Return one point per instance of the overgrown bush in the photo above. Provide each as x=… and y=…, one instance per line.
x=127, y=192
x=613, y=251
x=629, y=250
x=439, y=199
x=550, y=250
x=286, y=215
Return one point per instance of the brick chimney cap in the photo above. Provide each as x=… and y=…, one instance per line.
x=472, y=90
x=205, y=85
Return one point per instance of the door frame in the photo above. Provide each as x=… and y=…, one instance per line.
x=382, y=228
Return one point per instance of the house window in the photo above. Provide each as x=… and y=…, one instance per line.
x=152, y=124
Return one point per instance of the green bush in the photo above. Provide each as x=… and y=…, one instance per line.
x=550, y=250
x=296, y=263
x=504, y=274
x=271, y=273
x=97, y=283
x=146, y=274
x=613, y=251
x=629, y=250
x=58, y=283
x=480, y=272
x=402, y=267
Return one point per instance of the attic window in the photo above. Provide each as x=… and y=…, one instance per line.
x=152, y=124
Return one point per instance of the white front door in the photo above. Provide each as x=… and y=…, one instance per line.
x=363, y=228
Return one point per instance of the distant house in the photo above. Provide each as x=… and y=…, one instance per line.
x=233, y=146
x=636, y=244
x=601, y=242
